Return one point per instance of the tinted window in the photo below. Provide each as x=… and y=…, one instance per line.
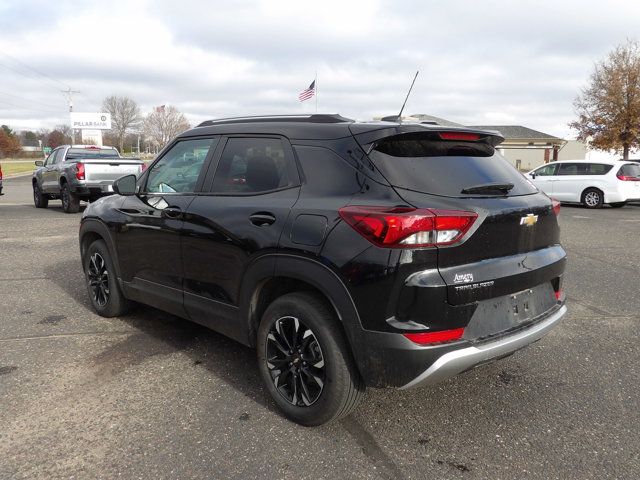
x=178, y=170
x=598, y=168
x=630, y=170
x=253, y=165
x=51, y=158
x=573, y=169
x=444, y=167
x=546, y=171
x=92, y=152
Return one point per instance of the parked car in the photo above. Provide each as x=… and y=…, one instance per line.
x=349, y=254
x=1, y=180
x=591, y=183
x=79, y=172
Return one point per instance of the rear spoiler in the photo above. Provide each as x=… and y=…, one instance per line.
x=368, y=138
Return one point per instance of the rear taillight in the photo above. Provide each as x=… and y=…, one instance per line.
x=0, y=173
x=404, y=227
x=626, y=178
x=80, y=171
x=556, y=206
x=428, y=338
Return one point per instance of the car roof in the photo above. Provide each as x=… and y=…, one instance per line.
x=321, y=127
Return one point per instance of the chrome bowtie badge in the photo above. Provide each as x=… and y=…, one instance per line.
x=529, y=221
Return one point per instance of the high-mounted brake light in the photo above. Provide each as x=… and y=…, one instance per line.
x=405, y=227
x=459, y=136
x=80, y=171
x=556, y=206
x=91, y=147
x=627, y=178
x=428, y=338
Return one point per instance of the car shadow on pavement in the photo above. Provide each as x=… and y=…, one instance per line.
x=155, y=333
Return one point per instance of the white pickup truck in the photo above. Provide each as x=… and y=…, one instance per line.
x=79, y=172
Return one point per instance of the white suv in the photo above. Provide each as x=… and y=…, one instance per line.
x=591, y=183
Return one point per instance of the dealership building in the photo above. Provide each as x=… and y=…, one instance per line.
x=524, y=147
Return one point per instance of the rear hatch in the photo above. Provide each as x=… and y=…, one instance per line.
x=628, y=176
x=512, y=246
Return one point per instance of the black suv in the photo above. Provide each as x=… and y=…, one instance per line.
x=350, y=254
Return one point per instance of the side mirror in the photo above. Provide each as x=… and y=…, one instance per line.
x=125, y=185
x=39, y=163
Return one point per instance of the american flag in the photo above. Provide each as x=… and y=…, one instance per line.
x=307, y=93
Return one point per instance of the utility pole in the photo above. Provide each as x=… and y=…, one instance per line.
x=69, y=94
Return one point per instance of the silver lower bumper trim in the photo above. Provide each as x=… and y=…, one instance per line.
x=458, y=361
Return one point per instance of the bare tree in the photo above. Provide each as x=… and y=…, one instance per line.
x=125, y=117
x=609, y=108
x=163, y=124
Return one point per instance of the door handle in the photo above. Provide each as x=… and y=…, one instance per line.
x=172, y=212
x=262, y=219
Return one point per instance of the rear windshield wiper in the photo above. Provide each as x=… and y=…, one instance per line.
x=488, y=189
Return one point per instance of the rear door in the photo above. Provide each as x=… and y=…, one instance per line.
x=241, y=215
x=149, y=239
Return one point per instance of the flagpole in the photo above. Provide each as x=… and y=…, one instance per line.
x=316, y=85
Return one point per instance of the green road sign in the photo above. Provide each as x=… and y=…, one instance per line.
x=46, y=150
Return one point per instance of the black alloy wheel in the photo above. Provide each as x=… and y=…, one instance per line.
x=98, y=279
x=295, y=361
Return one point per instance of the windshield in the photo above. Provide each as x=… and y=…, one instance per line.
x=447, y=168
x=74, y=153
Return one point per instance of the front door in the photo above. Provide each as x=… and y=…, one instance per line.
x=240, y=216
x=544, y=178
x=49, y=176
x=149, y=240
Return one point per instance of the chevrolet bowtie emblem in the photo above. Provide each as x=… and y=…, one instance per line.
x=530, y=220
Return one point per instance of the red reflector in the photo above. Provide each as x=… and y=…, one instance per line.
x=405, y=227
x=80, y=171
x=425, y=338
x=459, y=136
x=559, y=295
x=556, y=206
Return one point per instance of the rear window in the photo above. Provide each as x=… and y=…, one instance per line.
x=445, y=167
x=583, y=168
x=74, y=153
x=630, y=170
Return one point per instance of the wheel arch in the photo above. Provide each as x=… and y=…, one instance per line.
x=276, y=274
x=92, y=230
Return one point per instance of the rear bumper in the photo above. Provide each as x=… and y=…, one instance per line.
x=458, y=361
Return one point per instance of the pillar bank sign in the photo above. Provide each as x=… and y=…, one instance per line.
x=90, y=121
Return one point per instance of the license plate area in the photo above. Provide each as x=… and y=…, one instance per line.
x=496, y=315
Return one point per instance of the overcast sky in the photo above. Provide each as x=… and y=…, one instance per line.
x=480, y=62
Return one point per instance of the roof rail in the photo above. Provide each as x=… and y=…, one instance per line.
x=315, y=118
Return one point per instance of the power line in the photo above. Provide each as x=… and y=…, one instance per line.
x=42, y=74
x=32, y=101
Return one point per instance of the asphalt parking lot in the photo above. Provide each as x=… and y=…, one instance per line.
x=152, y=396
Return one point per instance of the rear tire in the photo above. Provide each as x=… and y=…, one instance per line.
x=39, y=199
x=70, y=202
x=617, y=204
x=592, y=198
x=104, y=290
x=313, y=379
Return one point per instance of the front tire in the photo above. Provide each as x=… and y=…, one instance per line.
x=70, y=202
x=39, y=199
x=305, y=361
x=592, y=198
x=617, y=204
x=102, y=283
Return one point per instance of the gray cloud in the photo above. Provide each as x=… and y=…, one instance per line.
x=480, y=62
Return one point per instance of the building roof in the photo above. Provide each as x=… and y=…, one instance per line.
x=518, y=132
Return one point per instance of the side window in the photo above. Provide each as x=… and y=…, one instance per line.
x=51, y=158
x=253, y=165
x=546, y=171
x=178, y=170
x=598, y=169
x=572, y=169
